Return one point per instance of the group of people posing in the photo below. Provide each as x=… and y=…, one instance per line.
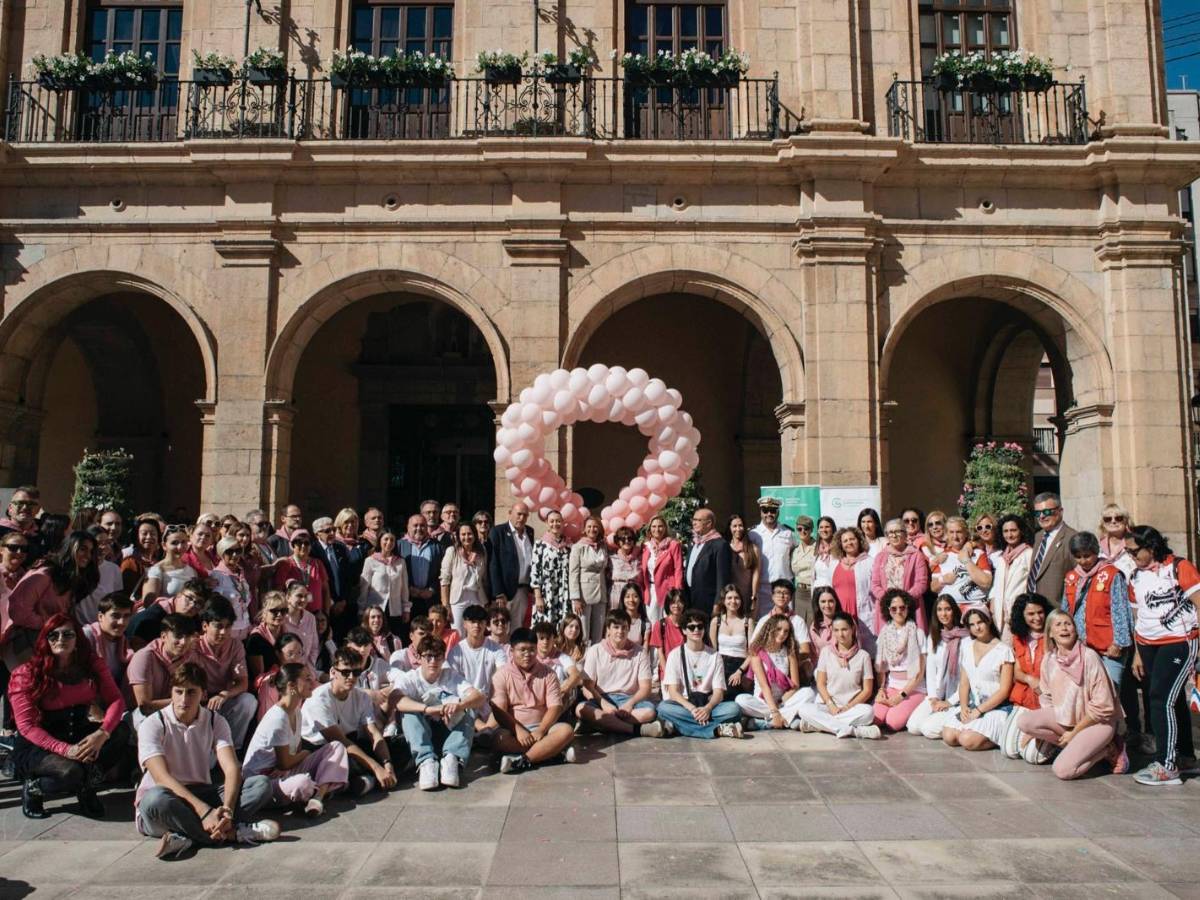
x=233, y=666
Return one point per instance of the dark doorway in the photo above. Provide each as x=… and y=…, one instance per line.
x=439, y=452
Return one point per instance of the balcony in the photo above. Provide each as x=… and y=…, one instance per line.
x=919, y=111
x=306, y=109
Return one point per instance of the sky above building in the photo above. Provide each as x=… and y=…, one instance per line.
x=1181, y=32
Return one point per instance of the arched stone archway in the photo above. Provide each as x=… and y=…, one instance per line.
x=961, y=363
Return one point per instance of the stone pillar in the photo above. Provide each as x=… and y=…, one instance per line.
x=1126, y=83
x=20, y=431
x=791, y=442
x=278, y=417
x=537, y=256
x=830, y=66
x=839, y=260
x=1085, y=464
x=240, y=467
x=1151, y=464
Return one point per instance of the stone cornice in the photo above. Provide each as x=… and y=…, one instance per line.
x=1140, y=244
x=790, y=416
x=247, y=251
x=838, y=240
x=1096, y=415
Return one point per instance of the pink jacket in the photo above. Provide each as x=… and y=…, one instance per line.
x=33, y=601
x=916, y=582
x=668, y=570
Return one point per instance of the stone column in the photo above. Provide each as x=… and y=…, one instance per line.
x=278, y=418
x=20, y=432
x=791, y=442
x=241, y=469
x=1151, y=464
x=839, y=260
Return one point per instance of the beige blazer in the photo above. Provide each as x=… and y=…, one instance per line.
x=588, y=573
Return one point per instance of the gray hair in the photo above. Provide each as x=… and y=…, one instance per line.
x=1047, y=497
x=322, y=522
x=899, y=523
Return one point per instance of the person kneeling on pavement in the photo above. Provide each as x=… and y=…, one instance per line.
x=694, y=684
x=176, y=800
x=437, y=708
x=527, y=702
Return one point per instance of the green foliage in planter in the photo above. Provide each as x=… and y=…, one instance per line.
x=995, y=481
x=102, y=481
x=679, y=510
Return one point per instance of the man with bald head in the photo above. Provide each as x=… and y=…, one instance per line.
x=423, y=557
x=709, y=562
x=508, y=565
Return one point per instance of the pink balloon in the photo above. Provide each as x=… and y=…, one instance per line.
x=625, y=493
x=638, y=485
x=668, y=459
x=571, y=531
x=634, y=521
x=569, y=510
x=512, y=473
x=657, y=500
x=674, y=482
x=654, y=483
x=682, y=446
x=615, y=524
x=639, y=504
x=547, y=495
x=628, y=419
x=620, y=507
x=650, y=464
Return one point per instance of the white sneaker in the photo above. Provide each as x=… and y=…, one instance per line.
x=314, y=808
x=730, y=730
x=363, y=785
x=652, y=729
x=257, y=832
x=868, y=732
x=450, y=770
x=172, y=844
x=427, y=778
x=569, y=754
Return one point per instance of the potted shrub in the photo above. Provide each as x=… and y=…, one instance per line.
x=579, y=62
x=500, y=66
x=356, y=69
x=424, y=70
x=265, y=66
x=947, y=72
x=212, y=68
x=61, y=73
x=648, y=71
x=1037, y=74
x=123, y=71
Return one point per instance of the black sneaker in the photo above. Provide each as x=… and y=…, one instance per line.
x=32, y=803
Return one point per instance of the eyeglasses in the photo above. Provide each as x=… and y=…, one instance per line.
x=695, y=626
x=908, y=521
x=430, y=657
x=1113, y=520
x=897, y=609
x=277, y=611
x=17, y=548
x=805, y=528
x=627, y=539
x=61, y=635
x=894, y=533
x=1047, y=512
x=347, y=673
x=24, y=504
x=932, y=523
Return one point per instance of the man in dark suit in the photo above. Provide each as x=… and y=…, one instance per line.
x=1051, y=555
x=509, y=561
x=339, y=567
x=709, y=563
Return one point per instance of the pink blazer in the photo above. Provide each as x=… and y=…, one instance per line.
x=668, y=570
x=916, y=582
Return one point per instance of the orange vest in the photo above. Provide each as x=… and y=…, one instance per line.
x=1097, y=611
x=1022, y=694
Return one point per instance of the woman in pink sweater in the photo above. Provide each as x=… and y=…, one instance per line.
x=1079, y=713
x=898, y=565
x=58, y=748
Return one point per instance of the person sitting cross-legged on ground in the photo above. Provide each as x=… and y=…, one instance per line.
x=694, y=684
x=775, y=670
x=299, y=776
x=340, y=711
x=527, y=702
x=845, y=685
x=437, y=708
x=176, y=800
x=620, y=675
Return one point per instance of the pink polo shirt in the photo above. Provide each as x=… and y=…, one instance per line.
x=150, y=666
x=527, y=695
x=614, y=674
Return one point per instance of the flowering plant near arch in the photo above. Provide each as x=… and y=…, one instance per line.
x=995, y=481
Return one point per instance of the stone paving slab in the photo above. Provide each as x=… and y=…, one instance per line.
x=778, y=815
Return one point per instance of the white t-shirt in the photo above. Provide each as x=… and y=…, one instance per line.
x=375, y=675
x=274, y=730
x=704, y=666
x=564, y=666
x=172, y=582
x=412, y=684
x=799, y=628
x=477, y=665
x=323, y=709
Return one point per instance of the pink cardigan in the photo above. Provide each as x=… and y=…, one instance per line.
x=916, y=582
x=668, y=570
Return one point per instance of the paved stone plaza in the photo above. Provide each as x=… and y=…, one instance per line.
x=777, y=815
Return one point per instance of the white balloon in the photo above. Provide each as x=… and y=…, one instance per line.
x=676, y=397
x=564, y=401
x=522, y=458
x=541, y=393
x=531, y=412
x=647, y=420
x=668, y=459
x=616, y=411
x=526, y=396
x=650, y=464
x=530, y=485
x=639, y=377
x=512, y=473
x=687, y=418
x=657, y=500
x=667, y=414
x=559, y=379
x=598, y=398
x=616, y=382
x=501, y=455
x=547, y=495
x=655, y=390
x=634, y=399
x=511, y=416
x=569, y=510
x=579, y=381
x=550, y=420
x=526, y=432
x=597, y=373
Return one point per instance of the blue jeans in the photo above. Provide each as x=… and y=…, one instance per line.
x=424, y=735
x=677, y=714
x=1114, y=667
x=618, y=699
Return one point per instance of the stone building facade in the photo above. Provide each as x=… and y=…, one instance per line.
x=304, y=294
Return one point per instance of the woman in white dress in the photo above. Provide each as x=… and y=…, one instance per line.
x=871, y=527
x=776, y=671
x=384, y=582
x=823, y=561
x=946, y=633
x=985, y=679
x=845, y=685
x=1012, y=571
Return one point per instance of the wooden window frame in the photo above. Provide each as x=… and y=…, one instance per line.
x=703, y=38
x=938, y=9
x=137, y=6
x=402, y=40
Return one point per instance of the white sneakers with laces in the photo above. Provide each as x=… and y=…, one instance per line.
x=450, y=776
x=427, y=775
x=257, y=832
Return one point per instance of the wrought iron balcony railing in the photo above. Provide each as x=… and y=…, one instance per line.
x=305, y=109
x=920, y=111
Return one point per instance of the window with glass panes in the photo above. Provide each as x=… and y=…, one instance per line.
x=382, y=28
x=675, y=27
x=986, y=26
x=153, y=29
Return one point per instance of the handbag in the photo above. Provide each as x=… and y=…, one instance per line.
x=696, y=698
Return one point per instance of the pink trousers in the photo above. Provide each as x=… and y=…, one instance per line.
x=896, y=717
x=327, y=766
x=1085, y=750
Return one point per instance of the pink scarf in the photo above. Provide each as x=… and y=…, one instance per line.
x=627, y=652
x=824, y=548
x=699, y=540
x=848, y=562
x=1011, y=553
x=657, y=547
x=822, y=634
x=775, y=678
x=262, y=629
x=1106, y=548
x=952, y=638
x=1072, y=662
x=844, y=656
x=468, y=557
x=898, y=645
x=559, y=543
x=1086, y=575
x=584, y=539
x=386, y=560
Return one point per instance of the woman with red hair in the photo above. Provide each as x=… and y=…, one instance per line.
x=60, y=748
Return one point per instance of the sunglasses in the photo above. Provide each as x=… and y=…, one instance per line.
x=805, y=528
x=1113, y=520
x=910, y=521
x=301, y=544
x=234, y=551
x=983, y=527
x=933, y=522
x=768, y=511
x=897, y=609
x=324, y=531
x=61, y=635
x=1047, y=513
x=277, y=611
x=347, y=673
x=625, y=540
x=17, y=548
x=24, y=504
x=695, y=626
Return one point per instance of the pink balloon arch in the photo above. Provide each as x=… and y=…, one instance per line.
x=597, y=394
